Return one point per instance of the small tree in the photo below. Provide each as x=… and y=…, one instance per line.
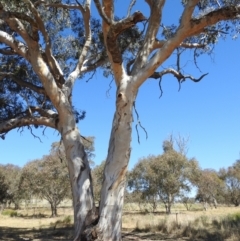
x=187, y=202
x=140, y=183
x=12, y=175
x=209, y=187
x=232, y=181
x=48, y=179
x=3, y=188
x=163, y=177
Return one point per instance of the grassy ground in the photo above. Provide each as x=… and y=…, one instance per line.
x=220, y=224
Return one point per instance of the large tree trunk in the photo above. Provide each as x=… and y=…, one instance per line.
x=79, y=171
x=112, y=194
x=109, y=221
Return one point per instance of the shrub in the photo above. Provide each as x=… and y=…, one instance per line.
x=67, y=220
x=9, y=212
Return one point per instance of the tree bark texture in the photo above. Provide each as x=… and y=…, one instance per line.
x=80, y=173
x=112, y=194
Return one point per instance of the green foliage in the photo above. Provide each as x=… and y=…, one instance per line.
x=163, y=177
x=97, y=176
x=67, y=220
x=3, y=187
x=16, y=72
x=209, y=186
x=12, y=175
x=232, y=181
x=9, y=212
x=48, y=179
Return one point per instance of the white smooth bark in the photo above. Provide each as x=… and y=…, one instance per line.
x=80, y=174
x=112, y=194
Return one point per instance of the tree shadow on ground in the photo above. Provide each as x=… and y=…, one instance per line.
x=144, y=213
x=65, y=232
x=35, y=216
x=42, y=234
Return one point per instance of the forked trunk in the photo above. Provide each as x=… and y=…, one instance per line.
x=88, y=225
x=112, y=194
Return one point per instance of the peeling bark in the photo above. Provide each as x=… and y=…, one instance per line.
x=79, y=171
x=112, y=194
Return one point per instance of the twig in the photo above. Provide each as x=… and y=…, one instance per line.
x=110, y=87
x=139, y=123
x=160, y=86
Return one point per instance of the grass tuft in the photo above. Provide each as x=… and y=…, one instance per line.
x=9, y=212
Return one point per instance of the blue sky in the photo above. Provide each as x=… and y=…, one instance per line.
x=208, y=112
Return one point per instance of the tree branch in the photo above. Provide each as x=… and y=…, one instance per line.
x=130, y=7
x=197, y=25
x=162, y=54
x=15, y=25
x=151, y=33
x=159, y=44
x=23, y=83
x=108, y=6
x=53, y=64
x=116, y=29
x=17, y=46
x=28, y=19
x=177, y=74
x=44, y=112
x=102, y=13
x=87, y=68
x=8, y=125
x=66, y=6
x=7, y=52
x=86, y=18
x=118, y=69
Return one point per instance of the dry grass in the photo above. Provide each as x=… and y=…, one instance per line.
x=218, y=224
x=212, y=225
x=34, y=218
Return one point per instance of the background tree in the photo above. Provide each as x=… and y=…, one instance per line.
x=38, y=75
x=232, y=181
x=164, y=177
x=97, y=176
x=12, y=175
x=187, y=201
x=3, y=188
x=141, y=183
x=209, y=187
x=47, y=179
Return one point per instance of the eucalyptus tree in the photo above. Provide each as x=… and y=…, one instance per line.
x=164, y=177
x=47, y=179
x=232, y=182
x=209, y=187
x=3, y=188
x=142, y=184
x=97, y=177
x=38, y=76
x=12, y=175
